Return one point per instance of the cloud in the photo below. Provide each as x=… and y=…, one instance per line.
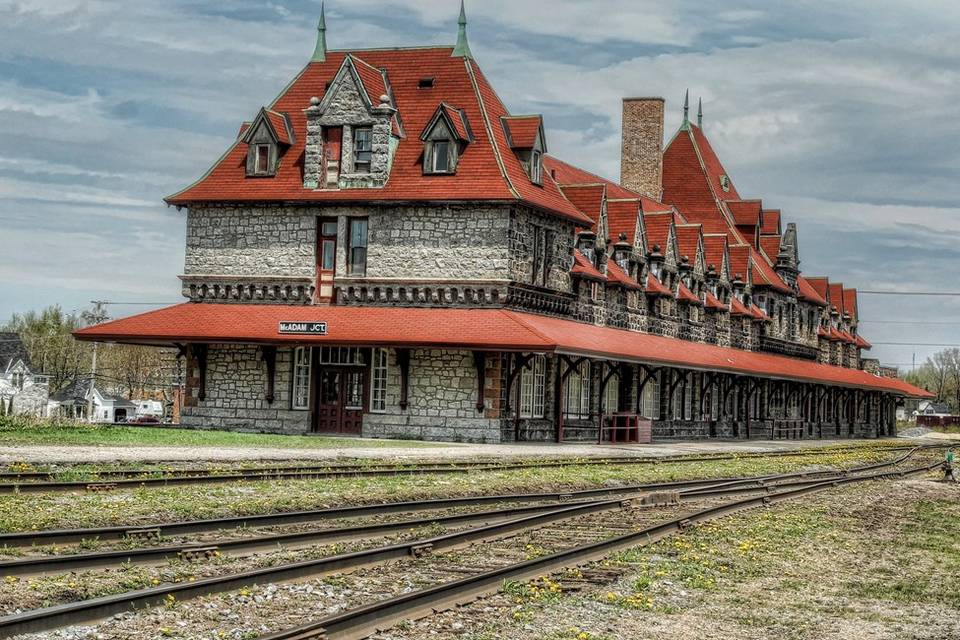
x=838, y=113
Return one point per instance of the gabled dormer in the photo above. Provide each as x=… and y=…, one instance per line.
x=353, y=131
x=525, y=136
x=268, y=137
x=445, y=138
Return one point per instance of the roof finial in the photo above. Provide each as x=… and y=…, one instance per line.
x=686, y=109
x=462, y=50
x=320, y=53
x=700, y=113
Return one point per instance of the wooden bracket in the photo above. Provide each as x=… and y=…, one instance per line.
x=199, y=352
x=403, y=361
x=520, y=361
x=480, y=364
x=269, y=355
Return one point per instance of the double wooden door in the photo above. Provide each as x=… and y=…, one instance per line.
x=339, y=394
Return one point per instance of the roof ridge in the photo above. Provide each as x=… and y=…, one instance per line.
x=468, y=63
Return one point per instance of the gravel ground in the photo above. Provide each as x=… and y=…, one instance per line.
x=41, y=454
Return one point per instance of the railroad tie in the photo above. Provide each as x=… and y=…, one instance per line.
x=101, y=486
x=145, y=535
x=198, y=553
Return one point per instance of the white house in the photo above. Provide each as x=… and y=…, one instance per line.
x=22, y=391
x=73, y=402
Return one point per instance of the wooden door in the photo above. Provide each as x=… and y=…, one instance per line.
x=340, y=394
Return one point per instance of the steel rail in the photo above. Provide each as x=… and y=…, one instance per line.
x=66, y=536
x=439, y=464
x=93, y=609
x=105, y=481
x=363, y=621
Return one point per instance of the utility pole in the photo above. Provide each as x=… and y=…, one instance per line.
x=96, y=316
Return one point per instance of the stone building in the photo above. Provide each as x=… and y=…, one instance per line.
x=386, y=250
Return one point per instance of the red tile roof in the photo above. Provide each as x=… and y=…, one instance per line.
x=850, y=302
x=862, y=343
x=737, y=308
x=280, y=126
x=746, y=213
x=487, y=170
x=712, y=302
x=658, y=229
x=715, y=248
x=764, y=275
x=585, y=269
x=622, y=218
x=688, y=240
x=373, y=79
x=758, y=313
x=522, y=130
x=740, y=256
x=836, y=297
x=808, y=293
x=656, y=288
x=567, y=174
x=617, y=276
x=823, y=333
x=683, y=293
x=457, y=118
x=587, y=198
x=494, y=329
x=770, y=248
x=821, y=286
x=771, y=222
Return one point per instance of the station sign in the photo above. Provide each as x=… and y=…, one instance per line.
x=303, y=328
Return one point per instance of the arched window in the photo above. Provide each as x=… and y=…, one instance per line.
x=611, y=395
x=650, y=400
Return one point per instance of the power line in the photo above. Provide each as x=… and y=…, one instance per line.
x=908, y=293
x=916, y=344
x=923, y=322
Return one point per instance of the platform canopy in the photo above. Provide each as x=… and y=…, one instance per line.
x=475, y=329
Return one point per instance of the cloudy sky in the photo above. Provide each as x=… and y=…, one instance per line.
x=844, y=115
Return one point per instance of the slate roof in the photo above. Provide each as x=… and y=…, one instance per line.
x=11, y=350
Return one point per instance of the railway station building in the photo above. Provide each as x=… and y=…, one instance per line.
x=386, y=250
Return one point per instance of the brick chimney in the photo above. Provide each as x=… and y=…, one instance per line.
x=641, y=147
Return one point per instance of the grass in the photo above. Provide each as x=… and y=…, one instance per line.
x=144, y=505
x=870, y=560
x=20, y=431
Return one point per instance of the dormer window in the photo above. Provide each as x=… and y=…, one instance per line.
x=445, y=138
x=536, y=166
x=362, y=149
x=268, y=137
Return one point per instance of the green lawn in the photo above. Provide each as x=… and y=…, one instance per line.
x=20, y=431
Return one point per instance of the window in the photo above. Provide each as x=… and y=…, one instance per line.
x=353, y=390
x=538, y=275
x=440, y=157
x=341, y=355
x=358, y=247
x=378, y=379
x=301, y=377
x=18, y=379
x=650, y=400
x=536, y=166
x=261, y=159
x=611, y=396
x=533, y=387
x=577, y=392
x=362, y=149
x=328, y=245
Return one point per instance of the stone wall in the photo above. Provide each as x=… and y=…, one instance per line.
x=251, y=241
x=442, y=398
x=525, y=226
x=235, y=393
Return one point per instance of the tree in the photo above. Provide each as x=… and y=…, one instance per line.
x=50, y=345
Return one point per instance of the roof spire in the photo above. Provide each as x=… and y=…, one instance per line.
x=686, y=111
x=320, y=52
x=462, y=50
x=700, y=113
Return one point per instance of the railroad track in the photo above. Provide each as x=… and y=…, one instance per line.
x=170, y=529
x=363, y=621
x=77, y=612
x=46, y=481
